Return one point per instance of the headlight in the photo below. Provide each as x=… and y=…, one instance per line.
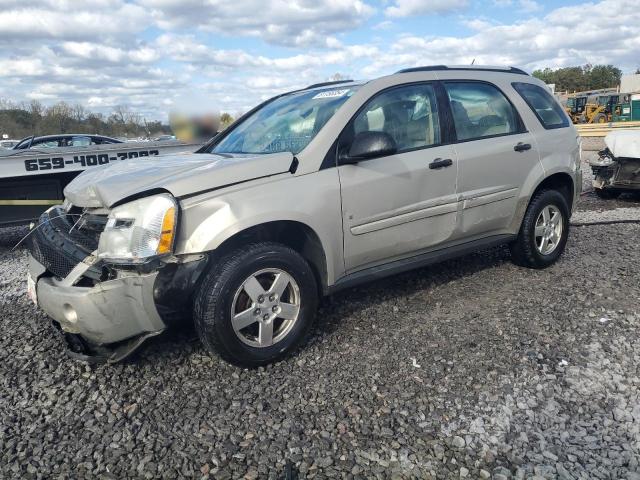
x=139, y=230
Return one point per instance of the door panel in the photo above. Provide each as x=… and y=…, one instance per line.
x=394, y=206
x=495, y=155
x=398, y=205
x=491, y=176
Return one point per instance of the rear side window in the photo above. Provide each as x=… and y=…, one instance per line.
x=79, y=142
x=548, y=111
x=480, y=110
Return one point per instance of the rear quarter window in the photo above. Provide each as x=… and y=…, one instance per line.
x=546, y=108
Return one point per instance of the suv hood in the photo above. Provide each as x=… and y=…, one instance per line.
x=184, y=174
x=624, y=143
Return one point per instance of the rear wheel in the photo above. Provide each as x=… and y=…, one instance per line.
x=544, y=231
x=257, y=304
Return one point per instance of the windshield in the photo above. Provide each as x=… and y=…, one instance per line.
x=287, y=124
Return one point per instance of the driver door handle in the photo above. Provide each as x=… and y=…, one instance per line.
x=440, y=163
x=521, y=147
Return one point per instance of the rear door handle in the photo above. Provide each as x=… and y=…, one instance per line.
x=521, y=147
x=440, y=163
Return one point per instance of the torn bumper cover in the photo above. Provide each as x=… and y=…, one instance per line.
x=618, y=165
x=104, y=314
x=107, y=321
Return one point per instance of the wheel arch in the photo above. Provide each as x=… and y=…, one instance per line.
x=561, y=181
x=294, y=234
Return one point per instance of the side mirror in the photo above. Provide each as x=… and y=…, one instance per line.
x=368, y=145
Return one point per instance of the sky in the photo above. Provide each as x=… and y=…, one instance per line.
x=228, y=55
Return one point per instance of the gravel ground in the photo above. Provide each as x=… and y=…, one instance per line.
x=473, y=368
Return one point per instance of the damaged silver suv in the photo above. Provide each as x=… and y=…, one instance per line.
x=310, y=192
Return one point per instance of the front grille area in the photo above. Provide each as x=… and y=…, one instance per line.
x=60, y=241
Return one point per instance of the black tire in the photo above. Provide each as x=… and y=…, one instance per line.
x=524, y=251
x=607, y=193
x=600, y=118
x=214, y=300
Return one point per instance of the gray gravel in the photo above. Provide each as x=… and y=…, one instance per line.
x=470, y=369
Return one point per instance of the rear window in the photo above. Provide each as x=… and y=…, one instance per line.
x=548, y=111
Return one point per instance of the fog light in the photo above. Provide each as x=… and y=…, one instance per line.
x=69, y=313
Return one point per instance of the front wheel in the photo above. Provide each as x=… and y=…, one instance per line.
x=544, y=231
x=256, y=304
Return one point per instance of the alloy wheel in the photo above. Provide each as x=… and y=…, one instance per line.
x=265, y=307
x=548, y=229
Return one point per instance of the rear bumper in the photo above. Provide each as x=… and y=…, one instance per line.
x=109, y=312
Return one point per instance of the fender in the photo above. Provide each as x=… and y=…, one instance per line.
x=313, y=200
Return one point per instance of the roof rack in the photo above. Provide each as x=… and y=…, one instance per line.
x=326, y=84
x=433, y=68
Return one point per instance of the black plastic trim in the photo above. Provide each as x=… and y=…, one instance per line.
x=330, y=160
x=57, y=250
x=327, y=84
x=175, y=286
x=436, y=68
x=418, y=261
x=447, y=125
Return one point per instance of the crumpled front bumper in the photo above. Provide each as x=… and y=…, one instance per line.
x=112, y=317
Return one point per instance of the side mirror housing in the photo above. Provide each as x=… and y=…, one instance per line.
x=368, y=145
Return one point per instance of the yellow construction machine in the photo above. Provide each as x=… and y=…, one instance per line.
x=585, y=108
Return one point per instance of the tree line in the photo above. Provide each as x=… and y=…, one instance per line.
x=586, y=77
x=33, y=118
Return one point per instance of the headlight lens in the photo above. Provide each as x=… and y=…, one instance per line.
x=139, y=230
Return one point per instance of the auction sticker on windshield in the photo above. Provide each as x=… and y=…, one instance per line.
x=331, y=93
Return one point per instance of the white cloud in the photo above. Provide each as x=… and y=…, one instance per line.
x=530, y=6
x=24, y=67
x=98, y=52
x=477, y=23
x=105, y=53
x=186, y=48
x=527, y=6
x=534, y=43
x=405, y=8
x=384, y=25
x=284, y=22
x=93, y=19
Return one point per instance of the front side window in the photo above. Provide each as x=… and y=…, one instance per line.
x=481, y=110
x=549, y=112
x=408, y=114
x=286, y=124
